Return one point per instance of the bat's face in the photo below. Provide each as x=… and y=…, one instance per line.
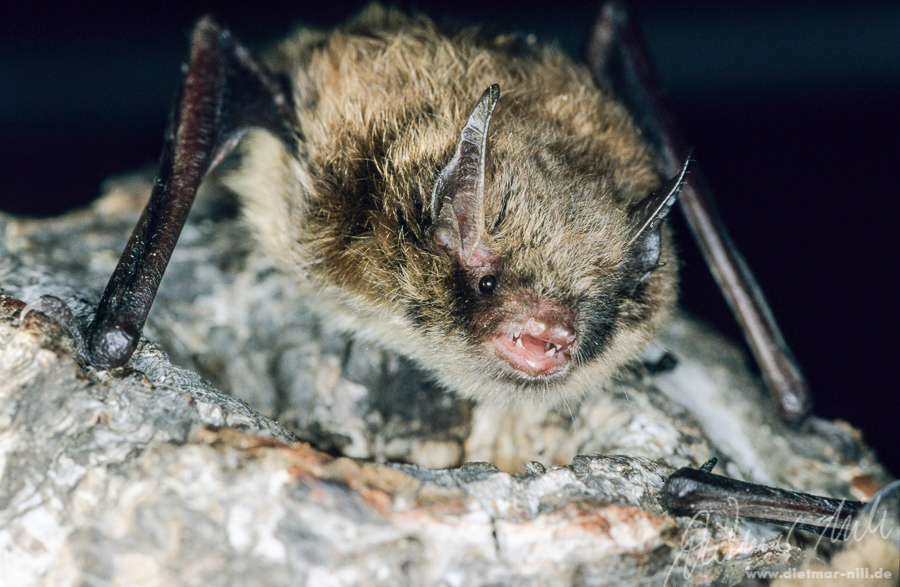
x=553, y=294
x=528, y=276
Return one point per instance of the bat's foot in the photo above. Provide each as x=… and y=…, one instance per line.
x=60, y=314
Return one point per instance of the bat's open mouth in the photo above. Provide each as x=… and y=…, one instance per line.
x=535, y=347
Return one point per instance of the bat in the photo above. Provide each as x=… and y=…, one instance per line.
x=481, y=204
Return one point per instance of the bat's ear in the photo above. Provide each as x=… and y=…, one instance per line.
x=457, y=200
x=645, y=219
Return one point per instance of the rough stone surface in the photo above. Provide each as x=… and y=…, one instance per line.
x=147, y=475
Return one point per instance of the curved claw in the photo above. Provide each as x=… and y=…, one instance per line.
x=107, y=346
x=59, y=312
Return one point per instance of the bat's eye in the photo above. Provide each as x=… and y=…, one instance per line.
x=487, y=284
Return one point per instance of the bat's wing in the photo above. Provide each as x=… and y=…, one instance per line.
x=225, y=92
x=691, y=492
x=620, y=61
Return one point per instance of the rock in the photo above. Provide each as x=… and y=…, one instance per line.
x=148, y=475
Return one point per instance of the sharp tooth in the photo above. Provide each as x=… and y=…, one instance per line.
x=551, y=352
x=519, y=343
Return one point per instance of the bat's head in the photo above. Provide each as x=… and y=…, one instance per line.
x=513, y=248
x=552, y=276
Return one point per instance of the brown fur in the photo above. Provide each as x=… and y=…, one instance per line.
x=381, y=103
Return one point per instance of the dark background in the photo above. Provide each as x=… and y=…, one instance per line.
x=794, y=111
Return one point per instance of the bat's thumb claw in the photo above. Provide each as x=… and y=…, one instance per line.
x=60, y=314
